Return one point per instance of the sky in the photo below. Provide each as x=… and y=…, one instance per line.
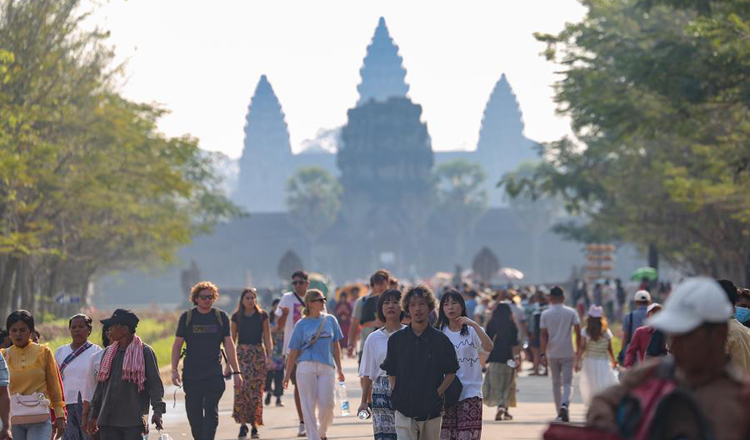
x=202, y=60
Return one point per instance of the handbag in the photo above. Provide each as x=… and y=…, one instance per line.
x=32, y=408
x=317, y=334
x=453, y=393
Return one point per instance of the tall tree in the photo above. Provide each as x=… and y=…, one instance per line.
x=313, y=202
x=462, y=200
x=658, y=96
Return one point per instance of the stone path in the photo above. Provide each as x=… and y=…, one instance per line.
x=532, y=415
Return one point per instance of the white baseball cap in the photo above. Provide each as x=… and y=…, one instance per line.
x=642, y=296
x=694, y=302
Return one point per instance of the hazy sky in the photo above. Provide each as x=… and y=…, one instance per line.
x=202, y=61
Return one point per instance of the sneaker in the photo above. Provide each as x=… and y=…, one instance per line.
x=243, y=432
x=278, y=402
x=563, y=414
x=268, y=399
x=301, y=432
x=254, y=433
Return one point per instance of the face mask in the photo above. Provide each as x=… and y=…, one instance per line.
x=742, y=314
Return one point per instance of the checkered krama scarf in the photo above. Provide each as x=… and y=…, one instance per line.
x=133, y=366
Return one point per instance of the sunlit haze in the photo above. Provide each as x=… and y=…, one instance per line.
x=202, y=61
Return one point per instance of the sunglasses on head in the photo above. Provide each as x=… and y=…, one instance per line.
x=298, y=283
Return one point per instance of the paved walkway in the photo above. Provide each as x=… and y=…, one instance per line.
x=531, y=416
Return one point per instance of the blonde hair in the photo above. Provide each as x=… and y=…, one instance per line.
x=203, y=285
x=309, y=296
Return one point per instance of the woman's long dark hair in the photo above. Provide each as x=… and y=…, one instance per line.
x=443, y=319
x=502, y=320
x=241, y=308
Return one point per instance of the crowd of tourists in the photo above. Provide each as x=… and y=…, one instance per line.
x=428, y=363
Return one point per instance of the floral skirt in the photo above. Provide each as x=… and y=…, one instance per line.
x=383, y=417
x=248, y=399
x=463, y=421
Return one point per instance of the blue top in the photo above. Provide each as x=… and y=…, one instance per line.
x=638, y=316
x=4, y=376
x=305, y=329
x=471, y=306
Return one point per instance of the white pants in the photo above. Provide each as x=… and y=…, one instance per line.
x=315, y=382
x=410, y=429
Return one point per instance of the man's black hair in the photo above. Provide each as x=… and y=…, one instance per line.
x=300, y=274
x=730, y=289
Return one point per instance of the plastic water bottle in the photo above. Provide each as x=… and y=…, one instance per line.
x=344, y=400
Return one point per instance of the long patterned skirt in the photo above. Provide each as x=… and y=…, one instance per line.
x=248, y=399
x=383, y=417
x=499, y=386
x=463, y=421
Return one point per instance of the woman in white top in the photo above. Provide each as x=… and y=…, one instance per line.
x=73, y=361
x=375, y=386
x=463, y=420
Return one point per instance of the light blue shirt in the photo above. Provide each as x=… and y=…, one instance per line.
x=4, y=375
x=322, y=351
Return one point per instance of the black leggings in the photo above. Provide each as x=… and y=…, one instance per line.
x=276, y=378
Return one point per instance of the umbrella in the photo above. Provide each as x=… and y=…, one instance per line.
x=511, y=274
x=644, y=272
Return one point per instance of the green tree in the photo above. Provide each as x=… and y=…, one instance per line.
x=658, y=94
x=88, y=184
x=313, y=202
x=461, y=200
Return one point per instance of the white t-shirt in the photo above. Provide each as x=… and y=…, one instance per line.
x=74, y=375
x=290, y=301
x=469, y=370
x=373, y=354
x=90, y=378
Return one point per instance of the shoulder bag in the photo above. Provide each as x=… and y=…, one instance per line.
x=317, y=334
x=32, y=408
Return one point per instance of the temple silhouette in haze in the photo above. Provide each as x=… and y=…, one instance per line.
x=389, y=218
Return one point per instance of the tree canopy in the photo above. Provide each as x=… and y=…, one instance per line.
x=657, y=92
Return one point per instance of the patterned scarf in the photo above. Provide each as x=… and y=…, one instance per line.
x=133, y=366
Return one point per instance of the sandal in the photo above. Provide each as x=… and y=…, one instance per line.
x=500, y=414
x=507, y=416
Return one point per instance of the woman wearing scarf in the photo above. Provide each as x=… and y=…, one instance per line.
x=127, y=381
x=73, y=360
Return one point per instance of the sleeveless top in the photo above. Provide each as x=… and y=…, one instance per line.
x=598, y=348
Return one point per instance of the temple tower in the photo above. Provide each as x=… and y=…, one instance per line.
x=267, y=153
x=382, y=72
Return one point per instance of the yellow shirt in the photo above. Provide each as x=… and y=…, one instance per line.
x=738, y=345
x=33, y=369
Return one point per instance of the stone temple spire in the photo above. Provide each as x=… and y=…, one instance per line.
x=502, y=123
x=267, y=151
x=383, y=75
x=265, y=128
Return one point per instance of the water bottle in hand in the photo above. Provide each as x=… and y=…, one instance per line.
x=344, y=400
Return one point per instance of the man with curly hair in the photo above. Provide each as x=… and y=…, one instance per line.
x=203, y=329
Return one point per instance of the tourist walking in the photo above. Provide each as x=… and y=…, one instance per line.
x=503, y=363
x=738, y=338
x=315, y=349
x=4, y=400
x=636, y=352
x=251, y=332
x=33, y=373
x=73, y=361
x=633, y=321
x=275, y=373
x=698, y=391
x=420, y=363
x=203, y=330
x=92, y=373
x=556, y=325
x=343, y=313
x=463, y=421
x=595, y=357
x=289, y=313
x=376, y=390
x=364, y=318
x=127, y=382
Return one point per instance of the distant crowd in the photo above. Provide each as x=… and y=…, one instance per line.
x=427, y=363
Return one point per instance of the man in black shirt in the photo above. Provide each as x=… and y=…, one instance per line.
x=203, y=329
x=421, y=363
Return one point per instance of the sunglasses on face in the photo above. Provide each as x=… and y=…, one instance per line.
x=298, y=283
x=205, y=297
x=319, y=299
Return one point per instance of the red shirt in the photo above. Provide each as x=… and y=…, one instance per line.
x=638, y=345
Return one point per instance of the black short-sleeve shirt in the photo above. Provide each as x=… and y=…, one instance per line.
x=203, y=338
x=249, y=328
x=419, y=364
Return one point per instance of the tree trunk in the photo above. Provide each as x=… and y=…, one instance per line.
x=747, y=270
x=653, y=257
x=6, y=286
